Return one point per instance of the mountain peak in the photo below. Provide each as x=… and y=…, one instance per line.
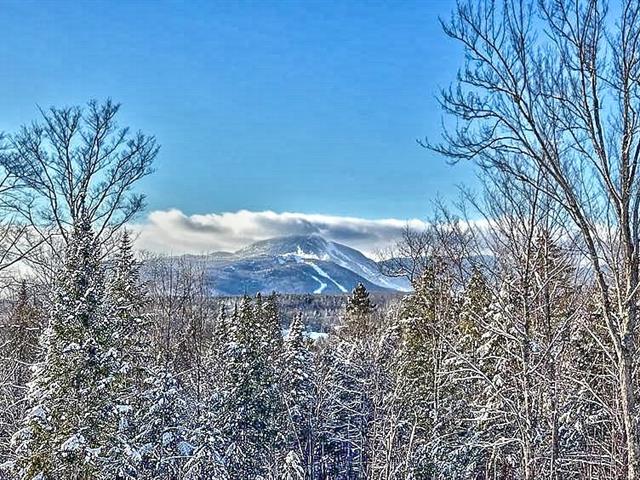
x=303, y=245
x=296, y=264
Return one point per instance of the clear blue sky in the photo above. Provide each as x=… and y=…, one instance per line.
x=309, y=106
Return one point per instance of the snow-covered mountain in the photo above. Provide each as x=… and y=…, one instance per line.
x=294, y=264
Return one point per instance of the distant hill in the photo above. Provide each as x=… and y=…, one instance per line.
x=294, y=264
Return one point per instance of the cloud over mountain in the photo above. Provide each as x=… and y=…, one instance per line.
x=172, y=231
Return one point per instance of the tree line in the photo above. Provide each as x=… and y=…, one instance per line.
x=497, y=365
x=515, y=356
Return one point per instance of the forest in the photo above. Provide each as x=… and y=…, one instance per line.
x=515, y=355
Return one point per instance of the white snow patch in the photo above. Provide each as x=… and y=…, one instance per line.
x=124, y=408
x=38, y=412
x=310, y=335
x=167, y=438
x=94, y=451
x=322, y=286
x=374, y=275
x=72, y=347
x=316, y=335
x=185, y=448
x=324, y=274
x=302, y=255
x=73, y=443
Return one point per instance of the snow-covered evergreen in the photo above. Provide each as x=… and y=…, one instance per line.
x=297, y=389
x=489, y=373
x=72, y=427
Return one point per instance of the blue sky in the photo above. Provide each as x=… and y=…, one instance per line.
x=304, y=106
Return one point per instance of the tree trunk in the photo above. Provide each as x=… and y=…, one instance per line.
x=628, y=414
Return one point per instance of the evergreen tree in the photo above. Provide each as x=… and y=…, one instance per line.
x=251, y=404
x=129, y=331
x=298, y=392
x=292, y=469
x=273, y=331
x=359, y=311
x=208, y=459
x=163, y=432
x=475, y=303
x=351, y=367
x=73, y=422
x=426, y=315
x=459, y=454
x=243, y=422
x=127, y=301
x=269, y=369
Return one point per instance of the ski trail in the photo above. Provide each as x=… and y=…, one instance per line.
x=324, y=274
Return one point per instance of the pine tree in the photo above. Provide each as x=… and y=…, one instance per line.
x=127, y=299
x=425, y=315
x=242, y=423
x=163, y=433
x=208, y=459
x=298, y=392
x=129, y=331
x=349, y=363
x=359, y=311
x=251, y=403
x=475, y=303
x=73, y=421
x=273, y=330
x=270, y=365
x=292, y=468
x=214, y=362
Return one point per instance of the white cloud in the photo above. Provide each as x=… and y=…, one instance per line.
x=171, y=231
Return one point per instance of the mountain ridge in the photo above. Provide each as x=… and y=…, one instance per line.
x=294, y=264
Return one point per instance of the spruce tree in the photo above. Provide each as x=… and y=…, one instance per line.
x=129, y=331
x=418, y=359
x=475, y=303
x=73, y=421
x=270, y=365
x=292, y=468
x=21, y=334
x=252, y=407
x=208, y=459
x=359, y=311
x=298, y=391
x=163, y=433
x=241, y=421
x=272, y=328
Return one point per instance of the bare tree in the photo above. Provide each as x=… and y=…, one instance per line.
x=553, y=88
x=76, y=161
x=15, y=243
x=444, y=240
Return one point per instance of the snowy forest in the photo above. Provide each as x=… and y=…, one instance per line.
x=515, y=355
